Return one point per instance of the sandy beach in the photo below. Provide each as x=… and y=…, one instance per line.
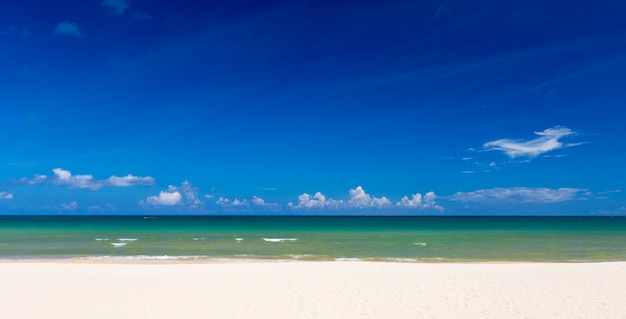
x=87, y=289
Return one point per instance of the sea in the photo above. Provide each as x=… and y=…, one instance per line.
x=315, y=238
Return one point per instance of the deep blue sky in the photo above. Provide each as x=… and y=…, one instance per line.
x=235, y=107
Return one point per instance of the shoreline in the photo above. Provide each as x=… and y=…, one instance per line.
x=219, y=260
x=305, y=289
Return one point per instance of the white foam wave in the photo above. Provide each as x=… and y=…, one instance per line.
x=168, y=257
x=127, y=239
x=141, y=257
x=278, y=240
x=118, y=244
x=348, y=259
x=201, y=238
x=298, y=257
x=420, y=244
x=239, y=239
x=403, y=260
x=102, y=239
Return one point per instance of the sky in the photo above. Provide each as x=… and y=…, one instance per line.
x=313, y=107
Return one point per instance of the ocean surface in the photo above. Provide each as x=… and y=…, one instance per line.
x=405, y=239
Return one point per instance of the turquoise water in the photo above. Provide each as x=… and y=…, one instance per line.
x=420, y=239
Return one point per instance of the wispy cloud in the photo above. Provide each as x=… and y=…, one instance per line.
x=441, y=11
x=117, y=6
x=68, y=28
x=252, y=204
x=6, y=195
x=69, y=206
x=87, y=181
x=267, y=188
x=521, y=194
x=139, y=16
x=14, y=30
x=547, y=141
x=191, y=194
x=359, y=199
x=100, y=209
x=614, y=191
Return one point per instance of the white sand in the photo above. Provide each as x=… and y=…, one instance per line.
x=311, y=290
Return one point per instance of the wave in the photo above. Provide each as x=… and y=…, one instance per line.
x=278, y=240
x=420, y=244
x=348, y=259
x=196, y=238
x=402, y=260
x=118, y=244
x=141, y=257
x=299, y=257
x=127, y=239
x=174, y=257
x=246, y=257
x=102, y=239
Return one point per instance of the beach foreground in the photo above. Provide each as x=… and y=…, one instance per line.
x=242, y=289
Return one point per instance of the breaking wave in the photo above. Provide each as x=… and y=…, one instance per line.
x=278, y=240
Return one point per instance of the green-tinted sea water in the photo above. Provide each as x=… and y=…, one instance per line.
x=418, y=239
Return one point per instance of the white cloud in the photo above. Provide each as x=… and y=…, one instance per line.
x=185, y=195
x=117, y=6
x=418, y=201
x=225, y=202
x=520, y=194
x=258, y=201
x=318, y=200
x=548, y=140
x=68, y=28
x=261, y=203
x=170, y=197
x=66, y=178
x=360, y=199
x=6, y=195
x=128, y=180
